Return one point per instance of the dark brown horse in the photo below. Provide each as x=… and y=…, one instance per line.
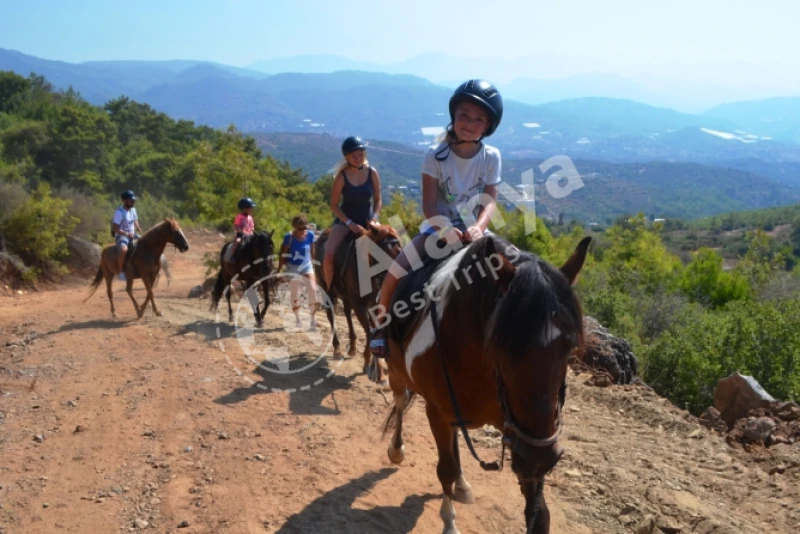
x=488, y=343
x=346, y=287
x=253, y=264
x=144, y=262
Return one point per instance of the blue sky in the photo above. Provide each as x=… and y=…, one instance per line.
x=238, y=32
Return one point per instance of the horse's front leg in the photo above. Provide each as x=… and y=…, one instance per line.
x=348, y=314
x=265, y=289
x=397, y=451
x=448, y=468
x=228, y=291
x=329, y=311
x=372, y=366
x=148, y=285
x=537, y=515
x=251, y=294
x=463, y=491
x=129, y=290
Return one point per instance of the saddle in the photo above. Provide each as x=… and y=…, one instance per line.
x=235, y=256
x=412, y=283
x=346, y=248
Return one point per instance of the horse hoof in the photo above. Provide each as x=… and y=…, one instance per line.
x=464, y=495
x=160, y=314
x=396, y=456
x=384, y=385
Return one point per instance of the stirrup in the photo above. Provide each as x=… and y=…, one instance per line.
x=377, y=345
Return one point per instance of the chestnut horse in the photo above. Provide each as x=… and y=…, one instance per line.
x=488, y=344
x=144, y=261
x=346, y=287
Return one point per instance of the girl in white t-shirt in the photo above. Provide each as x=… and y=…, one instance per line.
x=459, y=179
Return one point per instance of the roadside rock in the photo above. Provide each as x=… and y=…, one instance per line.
x=608, y=352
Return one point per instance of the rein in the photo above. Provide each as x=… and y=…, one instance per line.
x=509, y=424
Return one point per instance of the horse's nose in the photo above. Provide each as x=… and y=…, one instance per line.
x=557, y=451
x=546, y=458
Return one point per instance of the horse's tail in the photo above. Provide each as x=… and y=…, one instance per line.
x=165, y=268
x=391, y=419
x=216, y=293
x=96, y=282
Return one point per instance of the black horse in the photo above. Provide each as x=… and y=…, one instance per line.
x=253, y=264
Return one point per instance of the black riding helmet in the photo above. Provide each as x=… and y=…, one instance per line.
x=352, y=143
x=246, y=202
x=483, y=94
x=128, y=195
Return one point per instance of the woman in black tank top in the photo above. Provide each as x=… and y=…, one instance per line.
x=355, y=199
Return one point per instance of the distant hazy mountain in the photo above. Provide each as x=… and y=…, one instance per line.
x=690, y=88
x=443, y=67
x=539, y=91
x=313, y=63
x=775, y=117
x=100, y=81
x=410, y=110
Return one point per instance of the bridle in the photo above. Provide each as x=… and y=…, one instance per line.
x=512, y=433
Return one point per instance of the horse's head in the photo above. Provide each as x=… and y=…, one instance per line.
x=534, y=327
x=386, y=238
x=175, y=234
x=262, y=248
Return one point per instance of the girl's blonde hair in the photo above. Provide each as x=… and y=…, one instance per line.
x=447, y=134
x=342, y=165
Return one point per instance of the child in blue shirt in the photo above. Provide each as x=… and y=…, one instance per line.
x=296, y=253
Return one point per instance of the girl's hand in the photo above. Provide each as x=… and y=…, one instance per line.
x=473, y=233
x=453, y=235
x=356, y=228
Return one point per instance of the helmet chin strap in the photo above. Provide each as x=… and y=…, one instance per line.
x=442, y=154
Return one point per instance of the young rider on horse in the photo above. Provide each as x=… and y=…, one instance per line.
x=355, y=184
x=244, y=226
x=125, y=224
x=459, y=170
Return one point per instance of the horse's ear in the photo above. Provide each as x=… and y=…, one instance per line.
x=502, y=272
x=572, y=268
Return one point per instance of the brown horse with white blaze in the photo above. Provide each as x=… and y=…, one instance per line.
x=488, y=344
x=143, y=262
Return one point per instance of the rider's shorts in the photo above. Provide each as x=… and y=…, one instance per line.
x=123, y=240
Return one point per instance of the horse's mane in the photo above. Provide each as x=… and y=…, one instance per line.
x=154, y=230
x=519, y=319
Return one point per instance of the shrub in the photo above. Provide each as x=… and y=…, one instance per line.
x=38, y=228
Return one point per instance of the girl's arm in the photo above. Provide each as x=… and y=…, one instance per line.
x=488, y=209
x=430, y=197
x=282, y=256
x=377, y=202
x=336, y=196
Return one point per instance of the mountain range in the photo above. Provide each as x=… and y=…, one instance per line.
x=759, y=138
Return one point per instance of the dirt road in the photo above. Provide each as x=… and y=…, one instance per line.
x=117, y=425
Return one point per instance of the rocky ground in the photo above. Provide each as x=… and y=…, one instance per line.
x=163, y=425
